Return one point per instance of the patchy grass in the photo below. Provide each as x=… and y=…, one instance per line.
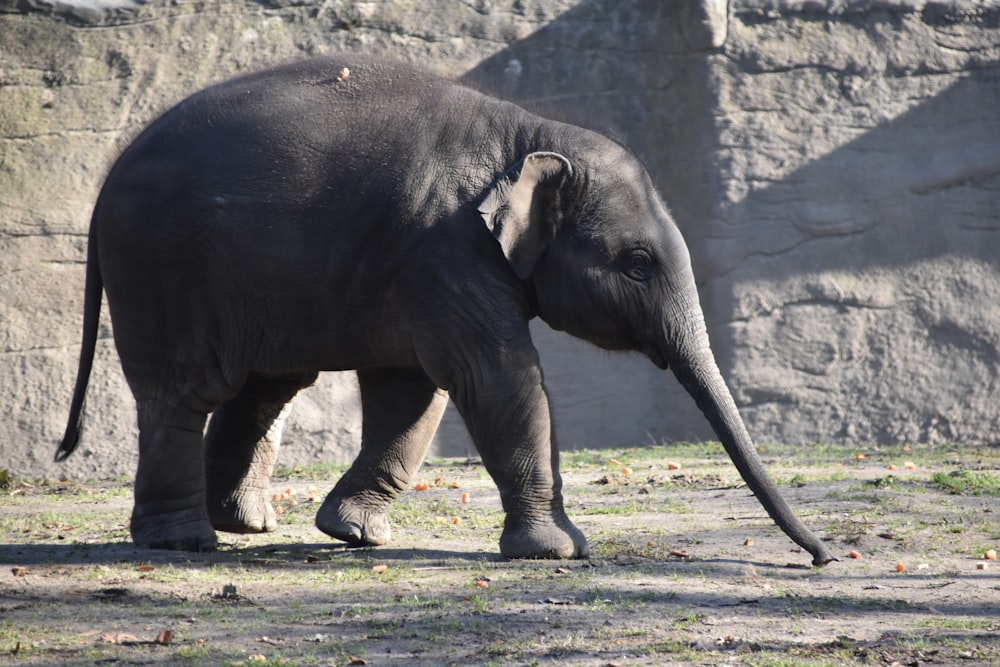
x=968, y=482
x=685, y=569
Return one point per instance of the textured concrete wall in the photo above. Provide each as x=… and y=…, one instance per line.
x=834, y=166
x=853, y=263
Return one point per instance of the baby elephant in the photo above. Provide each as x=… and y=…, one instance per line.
x=353, y=213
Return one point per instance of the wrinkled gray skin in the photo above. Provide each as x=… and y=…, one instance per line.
x=400, y=225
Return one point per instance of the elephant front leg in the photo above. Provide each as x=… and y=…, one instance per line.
x=401, y=410
x=241, y=447
x=169, y=511
x=507, y=413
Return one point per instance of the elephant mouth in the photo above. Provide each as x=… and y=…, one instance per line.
x=657, y=357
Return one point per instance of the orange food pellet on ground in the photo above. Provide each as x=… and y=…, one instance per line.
x=892, y=466
x=854, y=554
x=455, y=520
x=422, y=486
x=379, y=569
x=859, y=456
x=910, y=465
x=290, y=491
x=626, y=471
x=482, y=583
x=279, y=510
x=465, y=497
x=900, y=567
x=673, y=466
x=991, y=554
x=906, y=448
x=441, y=519
x=292, y=502
x=276, y=497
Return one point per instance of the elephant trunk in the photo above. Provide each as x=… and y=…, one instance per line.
x=695, y=367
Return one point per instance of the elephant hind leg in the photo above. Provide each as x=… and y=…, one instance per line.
x=401, y=410
x=241, y=446
x=169, y=511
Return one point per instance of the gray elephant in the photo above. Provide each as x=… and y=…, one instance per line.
x=355, y=213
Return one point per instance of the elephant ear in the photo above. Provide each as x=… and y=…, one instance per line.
x=522, y=208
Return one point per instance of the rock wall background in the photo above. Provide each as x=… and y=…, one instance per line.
x=834, y=165
x=854, y=256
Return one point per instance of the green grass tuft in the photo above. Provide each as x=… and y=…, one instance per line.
x=968, y=482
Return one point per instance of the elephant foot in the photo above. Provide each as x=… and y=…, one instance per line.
x=542, y=538
x=348, y=520
x=251, y=513
x=177, y=531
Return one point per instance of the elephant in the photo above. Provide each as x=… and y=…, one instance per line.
x=354, y=213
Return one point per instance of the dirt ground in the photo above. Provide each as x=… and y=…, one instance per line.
x=685, y=569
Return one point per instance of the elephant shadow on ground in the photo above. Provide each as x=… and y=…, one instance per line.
x=276, y=555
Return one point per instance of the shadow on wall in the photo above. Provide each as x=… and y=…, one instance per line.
x=858, y=297
x=628, y=70
x=921, y=185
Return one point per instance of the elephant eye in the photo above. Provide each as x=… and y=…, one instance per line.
x=637, y=264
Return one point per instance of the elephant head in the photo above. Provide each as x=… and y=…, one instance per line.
x=608, y=265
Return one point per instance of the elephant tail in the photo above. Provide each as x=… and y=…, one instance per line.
x=94, y=287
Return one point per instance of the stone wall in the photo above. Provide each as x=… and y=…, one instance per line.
x=853, y=262
x=834, y=165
